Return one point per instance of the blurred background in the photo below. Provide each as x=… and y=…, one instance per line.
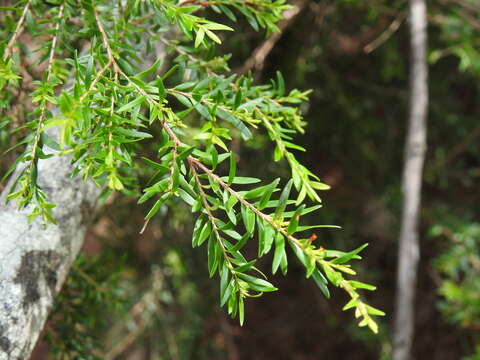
x=149, y=296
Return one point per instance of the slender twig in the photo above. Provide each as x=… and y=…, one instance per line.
x=192, y=58
x=455, y=152
x=211, y=218
x=257, y=59
x=149, y=297
x=88, y=279
x=384, y=36
x=94, y=82
x=110, y=121
x=41, y=119
x=18, y=30
x=54, y=41
x=111, y=58
x=265, y=217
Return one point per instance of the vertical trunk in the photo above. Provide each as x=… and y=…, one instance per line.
x=415, y=146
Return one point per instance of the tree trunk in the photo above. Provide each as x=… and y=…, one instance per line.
x=35, y=259
x=408, y=253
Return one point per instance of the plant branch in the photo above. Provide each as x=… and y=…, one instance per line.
x=212, y=219
x=111, y=58
x=384, y=36
x=18, y=31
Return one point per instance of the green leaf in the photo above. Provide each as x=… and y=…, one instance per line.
x=373, y=326
x=217, y=26
x=238, y=99
x=47, y=140
x=185, y=153
x=228, y=12
x=132, y=104
x=299, y=253
x=224, y=283
x=257, y=284
x=246, y=266
x=156, y=165
x=232, y=171
x=199, y=37
x=146, y=196
x=241, y=311
x=156, y=206
x=161, y=89
x=351, y=304
x=186, y=197
x=350, y=255
x=170, y=72
x=266, y=237
x=213, y=252
x=133, y=133
x=246, y=133
x=241, y=180
x=293, y=225
x=204, y=233
x=279, y=255
x=150, y=70
x=268, y=193
x=248, y=217
x=227, y=293
x=197, y=229
x=373, y=311
x=259, y=191
x=309, y=227
x=212, y=36
x=333, y=276
x=321, y=283
x=361, y=285
x=319, y=186
x=280, y=84
x=283, y=201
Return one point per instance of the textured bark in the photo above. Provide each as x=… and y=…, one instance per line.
x=34, y=259
x=408, y=253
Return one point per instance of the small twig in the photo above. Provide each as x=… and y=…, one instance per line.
x=455, y=152
x=257, y=59
x=125, y=343
x=211, y=218
x=17, y=32
x=94, y=82
x=111, y=58
x=192, y=58
x=41, y=119
x=384, y=36
x=88, y=279
x=54, y=41
x=149, y=297
x=265, y=217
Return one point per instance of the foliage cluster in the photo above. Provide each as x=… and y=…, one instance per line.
x=459, y=265
x=189, y=111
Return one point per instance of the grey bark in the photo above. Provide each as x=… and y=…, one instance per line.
x=415, y=147
x=34, y=259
